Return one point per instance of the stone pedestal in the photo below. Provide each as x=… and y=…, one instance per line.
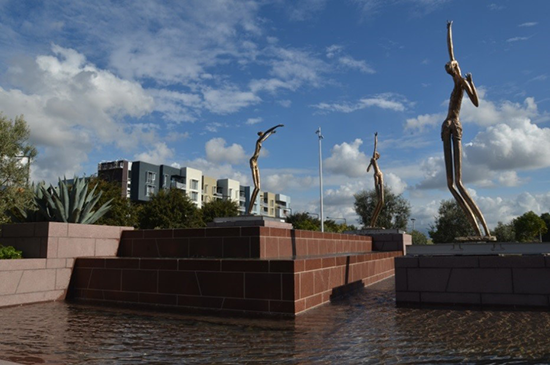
x=250, y=221
x=255, y=267
x=386, y=239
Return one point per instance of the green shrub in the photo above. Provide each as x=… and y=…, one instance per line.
x=8, y=252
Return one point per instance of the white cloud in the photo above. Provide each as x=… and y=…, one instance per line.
x=517, y=39
x=424, y=121
x=395, y=183
x=281, y=182
x=71, y=107
x=359, y=65
x=252, y=121
x=346, y=159
x=387, y=101
x=305, y=9
x=528, y=24
x=159, y=154
x=228, y=100
x=518, y=145
x=217, y=152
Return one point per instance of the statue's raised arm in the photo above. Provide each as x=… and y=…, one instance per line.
x=450, y=40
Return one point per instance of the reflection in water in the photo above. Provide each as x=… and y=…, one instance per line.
x=365, y=328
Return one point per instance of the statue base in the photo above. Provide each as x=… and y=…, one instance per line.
x=475, y=239
x=250, y=221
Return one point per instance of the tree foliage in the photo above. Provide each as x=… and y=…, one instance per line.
x=16, y=154
x=331, y=226
x=219, y=208
x=395, y=212
x=546, y=218
x=419, y=238
x=504, y=232
x=170, y=209
x=529, y=227
x=123, y=212
x=304, y=221
x=451, y=222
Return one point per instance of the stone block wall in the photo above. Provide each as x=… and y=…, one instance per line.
x=49, y=250
x=283, y=287
x=239, y=242
x=474, y=280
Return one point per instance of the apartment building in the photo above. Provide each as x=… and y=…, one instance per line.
x=141, y=180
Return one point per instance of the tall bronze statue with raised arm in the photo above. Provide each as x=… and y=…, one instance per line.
x=451, y=134
x=378, y=182
x=254, y=164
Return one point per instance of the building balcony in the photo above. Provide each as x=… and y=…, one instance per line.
x=178, y=185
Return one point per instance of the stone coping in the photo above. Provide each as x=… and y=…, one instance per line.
x=468, y=249
x=250, y=221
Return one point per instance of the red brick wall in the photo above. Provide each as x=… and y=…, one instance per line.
x=267, y=286
x=238, y=242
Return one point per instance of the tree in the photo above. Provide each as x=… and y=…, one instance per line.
x=451, y=222
x=123, y=212
x=304, y=221
x=170, y=209
x=419, y=238
x=546, y=218
x=394, y=214
x=529, y=227
x=504, y=232
x=219, y=208
x=16, y=155
x=331, y=226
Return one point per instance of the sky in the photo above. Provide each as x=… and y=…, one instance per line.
x=190, y=83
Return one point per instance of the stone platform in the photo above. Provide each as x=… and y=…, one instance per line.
x=245, y=269
x=479, y=275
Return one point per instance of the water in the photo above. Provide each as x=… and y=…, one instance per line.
x=366, y=328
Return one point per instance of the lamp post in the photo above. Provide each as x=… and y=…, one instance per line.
x=318, y=132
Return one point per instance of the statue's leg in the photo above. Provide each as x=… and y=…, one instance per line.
x=450, y=182
x=457, y=146
x=379, y=204
x=256, y=178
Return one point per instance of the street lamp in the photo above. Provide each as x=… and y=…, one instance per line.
x=318, y=132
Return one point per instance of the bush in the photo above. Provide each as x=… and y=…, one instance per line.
x=8, y=252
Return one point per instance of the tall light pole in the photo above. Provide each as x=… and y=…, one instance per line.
x=318, y=132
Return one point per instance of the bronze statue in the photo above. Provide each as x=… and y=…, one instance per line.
x=378, y=182
x=254, y=164
x=451, y=132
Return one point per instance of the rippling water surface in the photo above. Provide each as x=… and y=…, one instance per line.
x=364, y=328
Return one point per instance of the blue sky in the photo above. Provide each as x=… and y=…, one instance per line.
x=190, y=83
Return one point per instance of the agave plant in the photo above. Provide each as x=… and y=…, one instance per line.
x=65, y=203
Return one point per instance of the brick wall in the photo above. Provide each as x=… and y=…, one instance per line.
x=239, y=242
x=268, y=286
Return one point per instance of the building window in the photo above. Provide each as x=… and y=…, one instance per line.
x=149, y=190
x=194, y=196
x=165, y=182
x=195, y=184
x=151, y=177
